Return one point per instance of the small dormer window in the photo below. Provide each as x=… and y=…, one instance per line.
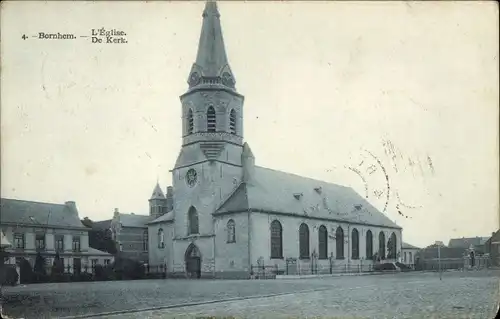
x=297, y=196
x=358, y=207
x=318, y=189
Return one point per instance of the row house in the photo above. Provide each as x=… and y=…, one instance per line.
x=48, y=229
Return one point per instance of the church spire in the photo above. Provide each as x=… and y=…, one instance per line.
x=157, y=192
x=211, y=66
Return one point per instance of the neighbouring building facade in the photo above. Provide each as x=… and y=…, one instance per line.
x=492, y=247
x=409, y=253
x=227, y=214
x=467, y=242
x=130, y=233
x=46, y=228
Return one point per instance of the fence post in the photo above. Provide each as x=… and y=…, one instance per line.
x=331, y=265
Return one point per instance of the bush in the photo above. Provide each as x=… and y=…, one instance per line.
x=26, y=272
x=8, y=275
x=83, y=276
x=101, y=273
x=384, y=267
x=126, y=269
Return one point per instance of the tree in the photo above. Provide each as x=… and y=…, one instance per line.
x=102, y=240
x=39, y=268
x=57, y=265
x=87, y=222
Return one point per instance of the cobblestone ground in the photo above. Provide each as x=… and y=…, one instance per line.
x=406, y=295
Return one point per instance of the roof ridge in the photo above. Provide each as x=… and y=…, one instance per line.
x=31, y=201
x=303, y=177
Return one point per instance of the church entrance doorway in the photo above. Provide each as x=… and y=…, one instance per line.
x=193, y=261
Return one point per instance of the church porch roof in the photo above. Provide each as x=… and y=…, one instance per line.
x=168, y=217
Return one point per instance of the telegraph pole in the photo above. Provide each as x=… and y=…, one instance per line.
x=438, y=243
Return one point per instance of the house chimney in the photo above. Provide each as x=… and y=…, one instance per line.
x=72, y=207
x=116, y=212
x=170, y=198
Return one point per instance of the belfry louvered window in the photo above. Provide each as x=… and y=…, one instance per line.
x=211, y=120
x=190, y=122
x=232, y=122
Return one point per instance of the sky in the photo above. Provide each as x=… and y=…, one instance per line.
x=406, y=88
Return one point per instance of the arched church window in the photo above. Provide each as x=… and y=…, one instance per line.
x=232, y=122
x=381, y=245
x=392, y=247
x=193, y=227
x=145, y=239
x=276, y=240
x=161, y=238
x=323, y=242
x=369, y=245
x=303, y=241
x=339, y=242
x=231, y=231
x=211, y=120
x=355, y=244
x=190, y=122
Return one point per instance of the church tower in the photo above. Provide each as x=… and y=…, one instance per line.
x=209, y=165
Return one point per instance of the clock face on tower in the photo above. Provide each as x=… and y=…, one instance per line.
x=191, y=177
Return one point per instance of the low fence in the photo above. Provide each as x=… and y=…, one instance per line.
x=306, y=267
x=156, y=271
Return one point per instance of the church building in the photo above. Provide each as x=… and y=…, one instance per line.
x=224, y=214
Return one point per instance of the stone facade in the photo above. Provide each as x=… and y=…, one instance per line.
x=409, y=253
x=130, y=233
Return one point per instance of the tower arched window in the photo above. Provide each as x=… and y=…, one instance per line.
x=161, y=238
x=232, y=121
x=303, y=241
x=381, y=245
x=190, y=122
x=369, y=245
x=145, y=239
x=211, y=120
x=323, y=242
x=355, y=244
x=276, y=240
x=193, y=226
x=339, y=242
x=231, y=231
